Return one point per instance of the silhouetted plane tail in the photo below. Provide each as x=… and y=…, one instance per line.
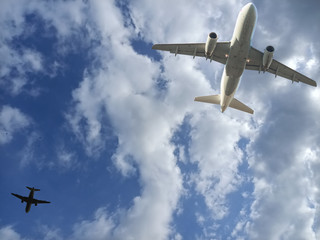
x=34, y=189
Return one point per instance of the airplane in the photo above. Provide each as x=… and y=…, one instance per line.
x=30, y=200
x=236, y=55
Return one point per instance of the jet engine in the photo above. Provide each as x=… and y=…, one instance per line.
x=211, y=44
x=267, y=57
x=36, y=204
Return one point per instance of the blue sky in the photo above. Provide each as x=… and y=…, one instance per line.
x=107, y=128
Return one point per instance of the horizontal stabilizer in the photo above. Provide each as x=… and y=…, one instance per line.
x=214, y=99
x=240, y=106
x=34, y=189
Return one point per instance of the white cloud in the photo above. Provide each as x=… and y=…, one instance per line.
x=214, y=148
x=282, y=157
x=28, y=155
x=177, y=237
x=183, y=21
x=12, y=120
x=200, y=218
x=47, y=233
x=16, y=62
x=66, y=158
x=15, y=65
x=284, y=153
x=99, y=228
x=50, y=233
x=33, y=59
x=8, y=233
x=142, y=124
x=292, y=196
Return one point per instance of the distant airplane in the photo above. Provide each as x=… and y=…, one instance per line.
x=237, y=55
x=30, y=200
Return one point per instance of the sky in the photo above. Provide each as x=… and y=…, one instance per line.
x=107, y=128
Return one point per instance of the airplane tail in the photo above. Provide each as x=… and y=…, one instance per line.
x=34, y=189
x=215, y=99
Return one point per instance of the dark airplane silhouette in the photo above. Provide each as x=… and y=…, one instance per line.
x=30, y=200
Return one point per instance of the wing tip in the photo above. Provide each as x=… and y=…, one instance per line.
x=311, y=83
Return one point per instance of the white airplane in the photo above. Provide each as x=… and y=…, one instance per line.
x=237, y=55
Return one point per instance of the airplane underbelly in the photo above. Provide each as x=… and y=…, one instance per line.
x=239, y=50
x=235, y=69
x=229, y=84
x=28, y=207
x=235, y=65
x=232, y=85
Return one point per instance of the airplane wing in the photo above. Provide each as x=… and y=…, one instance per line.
x=36, y=201
x=21, y=197
x=276, y=68
x=220, y=53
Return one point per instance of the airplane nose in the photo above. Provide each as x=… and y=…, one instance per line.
x=251, y=10
x=252, y=7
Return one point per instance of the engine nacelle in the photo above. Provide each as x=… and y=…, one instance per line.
x=211, y=44
x=36, y=204
x=267, y=57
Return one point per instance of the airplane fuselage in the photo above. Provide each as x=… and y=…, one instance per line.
x=29, y=202
x=238, y=55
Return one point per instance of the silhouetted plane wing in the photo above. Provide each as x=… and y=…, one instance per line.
x=21, y=197
x=36, y=201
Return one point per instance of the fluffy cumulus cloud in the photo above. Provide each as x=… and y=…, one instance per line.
x=183, y=21
x=11, y=121
x=99, y=228
x=143, y=125
x=284, y=160
x=15, y=63
x=9, y=233
x=215, y=150
x=66, y=159
x=49, y=234
x=284, y=154
x=20, y=63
